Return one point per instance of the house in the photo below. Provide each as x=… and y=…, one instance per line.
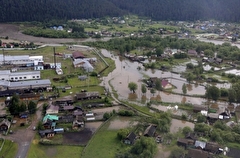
x=66, y=119
x=83, y=77
x=52, y=109
x=48, y=133
x=30, y=96
x=198, y=108
x=78, y=55
x=212, y=117
x=67, y=100
x=212, y=147
x=130, y=139
x=31, y=84
x=49, y=121
x=233, y=152
x=150, y=131
x=166, y=84
x=78, y=113
x=200, y=144
x=218, y=60
x=224, y=113
x=5, y=125
x=87, y=95
x=78, y=123
x=192, y=53
x=185, y=142
x=196, y=153
x=68, y=108
x=192, y=136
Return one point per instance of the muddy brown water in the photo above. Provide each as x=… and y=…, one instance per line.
x=177, y=124
x=126, y=71
x=121, y=122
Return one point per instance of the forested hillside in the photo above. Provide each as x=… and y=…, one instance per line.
x=42, y=10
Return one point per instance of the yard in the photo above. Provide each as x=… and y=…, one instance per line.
x=53, y=151
x=106, y=143
x=9, y=149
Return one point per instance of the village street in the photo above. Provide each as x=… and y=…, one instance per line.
x=24, y=137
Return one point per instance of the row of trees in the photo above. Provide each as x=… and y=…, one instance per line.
x=16, y=106
x=224, y=51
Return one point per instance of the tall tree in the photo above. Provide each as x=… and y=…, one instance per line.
x=14, y=105
x=143, y=88
x=32, y=107
x=132, y=86
x=184, y=89
x=158, y=85
x=212, y=92
x=231, y=95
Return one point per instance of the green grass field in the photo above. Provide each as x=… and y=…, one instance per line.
x=9, y=149
x=104, y=144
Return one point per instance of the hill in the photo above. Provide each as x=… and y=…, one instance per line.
x=44, y=10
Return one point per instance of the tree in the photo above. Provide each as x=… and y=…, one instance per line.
x=14, y=105
x=153, y=91
x=201, y=118
x=158, y=85
x=159, y=51
x=32, y=107
x=177, y=152
x=132, y=86
x=122, y=133
x=106, y=116
x=22, y=107
x=186, y=130
x=184, y=89
x=190, y=77
x=144, y=147
x=212, y=92
x=231, y=95
x=144, y=89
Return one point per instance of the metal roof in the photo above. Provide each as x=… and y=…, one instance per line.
x=31, y=82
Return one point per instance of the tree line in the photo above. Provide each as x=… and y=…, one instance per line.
x=44, y=10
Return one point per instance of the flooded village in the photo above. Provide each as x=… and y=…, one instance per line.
x=85, y=108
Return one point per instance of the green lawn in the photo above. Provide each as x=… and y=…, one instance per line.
x=9, y=149
x=53, y=151
x=104, y=144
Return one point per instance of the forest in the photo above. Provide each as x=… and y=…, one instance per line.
x=186, y=10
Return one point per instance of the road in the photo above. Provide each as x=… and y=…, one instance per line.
x=24, y=137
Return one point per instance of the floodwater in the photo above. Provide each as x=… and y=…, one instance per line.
x=126, y=71
x=121, y=122
x=172, y=109
x=177, y=124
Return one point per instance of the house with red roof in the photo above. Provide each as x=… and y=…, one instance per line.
x=166, y=84
x=78, y=55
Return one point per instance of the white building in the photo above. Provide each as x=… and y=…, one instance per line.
x=23, y=60
x=19, y=76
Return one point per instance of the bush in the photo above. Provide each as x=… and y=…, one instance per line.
x=125, y=113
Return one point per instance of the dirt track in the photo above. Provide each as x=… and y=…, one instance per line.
x=14, y=34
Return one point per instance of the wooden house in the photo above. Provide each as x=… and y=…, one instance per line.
x=5, y=125
x=130, y=139
x=150, y=131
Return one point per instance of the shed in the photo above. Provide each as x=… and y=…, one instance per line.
x=5, y=125
x=150, y=131
x=196, y=153
x=52, y=109
x=130, y=139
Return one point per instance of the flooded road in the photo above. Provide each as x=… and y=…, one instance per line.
x=126, y=71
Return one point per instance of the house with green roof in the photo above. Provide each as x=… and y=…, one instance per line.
x=49, y=121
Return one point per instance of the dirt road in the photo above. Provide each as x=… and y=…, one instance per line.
x=24, y=137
